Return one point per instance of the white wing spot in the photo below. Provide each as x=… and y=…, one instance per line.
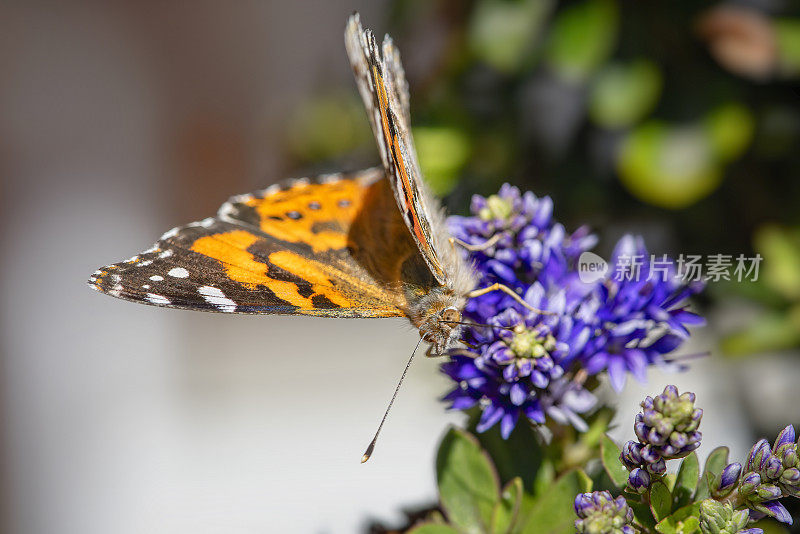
x=131, y=260
x=170, y=233
x=156, y=278
x=330, y=178
x=207, y=222
x=178, y=272
x=144, y=263
x=165, y=254
x=145, y=286
x=216, y=297
x=157, y=299
x=115, y=278
x=151, y=249
x=271, y=190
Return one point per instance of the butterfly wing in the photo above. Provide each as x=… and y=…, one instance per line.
x=382, y=84
x=305, y=247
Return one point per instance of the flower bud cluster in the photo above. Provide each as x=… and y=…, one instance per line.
x=600, y=513
x=769, y=474
x=666, y=429
x=722, y=518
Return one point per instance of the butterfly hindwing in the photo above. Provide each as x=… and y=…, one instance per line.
x=300, y=248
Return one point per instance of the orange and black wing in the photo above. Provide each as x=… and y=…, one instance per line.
x=382, y=84
x=303, y=248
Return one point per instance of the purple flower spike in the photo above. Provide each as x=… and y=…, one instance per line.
x=524, y=368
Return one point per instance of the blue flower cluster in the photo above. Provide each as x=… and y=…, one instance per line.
x=534, y=365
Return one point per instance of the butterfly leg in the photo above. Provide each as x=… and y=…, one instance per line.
x=508, y=291
x=431, y=352
x=475, y=248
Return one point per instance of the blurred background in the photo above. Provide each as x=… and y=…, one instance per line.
x=679, y=120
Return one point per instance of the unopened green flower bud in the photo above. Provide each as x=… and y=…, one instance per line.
x=721, y=518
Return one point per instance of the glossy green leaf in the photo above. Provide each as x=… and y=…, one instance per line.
x=609, y=454
x=660, y=500
x=552, y=512
x=686, y=481
x=506, y=511
x=582, y=38
x=433, y=528
x=623, y=94
x=715, y=463
x=468, y=484
x=683, y=521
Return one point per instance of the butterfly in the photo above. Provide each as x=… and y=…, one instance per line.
x=334, y=245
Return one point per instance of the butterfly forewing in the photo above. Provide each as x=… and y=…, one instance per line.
x=289, y=249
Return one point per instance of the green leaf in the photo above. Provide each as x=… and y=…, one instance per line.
x=433, y=528
x=552, y=512
x=715, y=463
x=582, y=38
x=609, y=454
x=686, y=481
x=623, y=94
x=683, y=521
x=519, y=455
x=506, y=511
x=468, y=484
x=660, y=500
x=642, y=514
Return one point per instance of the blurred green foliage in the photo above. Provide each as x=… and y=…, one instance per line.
x=676, y=116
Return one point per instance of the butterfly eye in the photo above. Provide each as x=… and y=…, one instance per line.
x=451, y=315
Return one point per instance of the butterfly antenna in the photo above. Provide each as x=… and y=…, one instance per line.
x=478, y=324
x=371, y=446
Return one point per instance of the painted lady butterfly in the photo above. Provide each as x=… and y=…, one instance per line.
x=330, y=246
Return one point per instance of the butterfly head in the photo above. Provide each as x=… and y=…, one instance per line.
x=441, y=328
